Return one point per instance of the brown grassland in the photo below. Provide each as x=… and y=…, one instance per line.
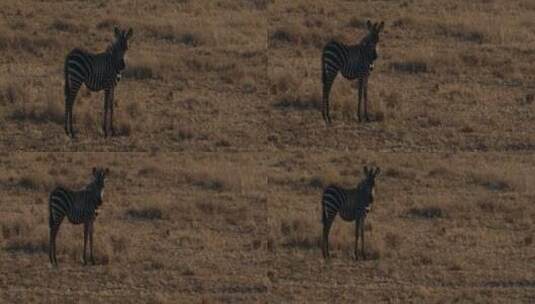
x=174, y=228
x=195, y=76
x=222, y=155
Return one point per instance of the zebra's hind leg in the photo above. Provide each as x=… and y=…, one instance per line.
x=86, y=231
x=69, y=103
x=365, y=89
x=327, y=84
x=91, y=258
x=357, y=231
x=66, y=119
x=52, y=245
x=325, y=240
x=360, y=99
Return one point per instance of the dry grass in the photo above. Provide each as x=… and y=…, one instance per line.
x=186, y=50
x=440, y=213
x=153, y=222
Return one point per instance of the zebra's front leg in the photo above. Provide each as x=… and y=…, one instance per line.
x=360, y=99
x=52, y=245
x=325, y=241
x=86, y=231
x=112, y=97
x=357, y=230
x=362, y=237
x=106, y=107
x=91, y=258
x=365, y=88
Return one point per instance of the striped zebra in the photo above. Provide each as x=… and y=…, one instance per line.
x=354, y=62
x=351, y=204
x=98, y=72
x=80, y=207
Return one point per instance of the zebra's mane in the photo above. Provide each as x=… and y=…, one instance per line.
x=363, y=185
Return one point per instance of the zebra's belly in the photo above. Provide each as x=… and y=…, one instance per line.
x=347, y=216
x=99, y=85
x=75, y=221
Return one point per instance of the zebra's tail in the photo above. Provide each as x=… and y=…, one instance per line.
x=66, y=74
x=323, y=219
x=50, y=219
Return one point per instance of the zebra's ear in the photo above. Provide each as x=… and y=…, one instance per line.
x=117, y=31
x=369, y=25
x=129, y=33
x=381, y=26
x=377, y=171
x=94, y=171
x=366, y=171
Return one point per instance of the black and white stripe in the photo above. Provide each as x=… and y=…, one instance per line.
x=351, y=205
x=98, y=72
x=80, y=207
x=353, y=62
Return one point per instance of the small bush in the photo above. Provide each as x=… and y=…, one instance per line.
x=108, y=23
x=145, y=213
x=425, y=212
x=138, y=72
x=410, y=67
x=27, y=247
x=64, y=26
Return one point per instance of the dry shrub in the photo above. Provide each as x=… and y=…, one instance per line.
x=149, y=171
x=35, y=45
x=400, y=174
x=425, y=212
x=289, y=92
x=144, y=66
x=25, y=235
x=461, y=32
x=64, y=26
x=138, y=71
x=27, y=246
x=181, y=35
x=36, y=181
x=490, y=181
x=107, y=23
x=37, y=105
x=410, y=67
x=299, y=233
x=210, y=208
x=295, y=35
x=144, y=213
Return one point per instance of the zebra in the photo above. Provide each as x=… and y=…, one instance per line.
x=80, y=207
x=98, y=72
x=351, y=204
x=354, y=62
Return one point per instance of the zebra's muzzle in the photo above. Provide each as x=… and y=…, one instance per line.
x=118, y=77
x=371, y=67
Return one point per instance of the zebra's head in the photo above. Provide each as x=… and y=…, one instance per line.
x=369, y=184
x=119, y=48
x=371, y=40
x=99, y=175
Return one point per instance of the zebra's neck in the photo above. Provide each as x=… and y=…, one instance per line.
x=112, y=53
x=92, y=192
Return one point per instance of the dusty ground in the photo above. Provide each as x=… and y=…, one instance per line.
x=222, y=155
x=445, y=228
x=456, y=76
x=195, y=75
x=174, y=228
